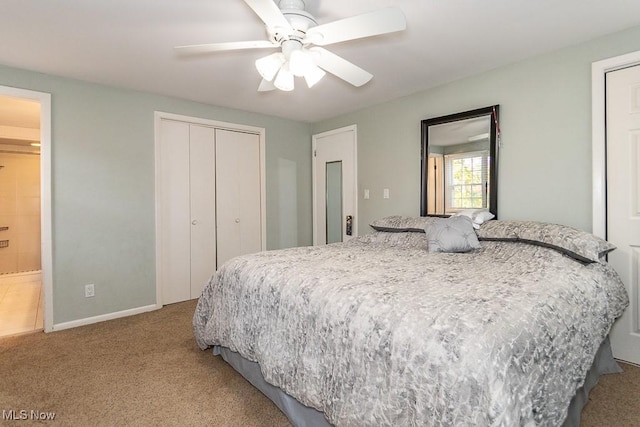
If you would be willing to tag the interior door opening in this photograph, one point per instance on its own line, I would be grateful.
(24, 211)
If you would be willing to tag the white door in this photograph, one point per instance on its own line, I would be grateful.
(186, 210)
(202, 199)
(623, 201)
(335, 187)
(174, 222)
(238, 173)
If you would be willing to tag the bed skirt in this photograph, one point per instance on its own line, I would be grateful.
(304, 416)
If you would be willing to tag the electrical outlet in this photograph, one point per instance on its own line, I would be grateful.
(89, 290)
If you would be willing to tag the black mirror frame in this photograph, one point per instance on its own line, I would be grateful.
(494, 112)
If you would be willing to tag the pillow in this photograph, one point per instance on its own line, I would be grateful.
(578, 244)
(453, 234)
(399, 224)
(478, 216)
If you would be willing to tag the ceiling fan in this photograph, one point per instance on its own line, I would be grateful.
(298, 37)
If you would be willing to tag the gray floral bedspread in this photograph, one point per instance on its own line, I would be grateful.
(379, 332)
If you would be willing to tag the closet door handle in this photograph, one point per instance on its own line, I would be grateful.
(237, 220)
(194, 222)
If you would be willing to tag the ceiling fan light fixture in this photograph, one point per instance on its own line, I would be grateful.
(300, 62)
(284, 79)
(269, 66)
(314, 75)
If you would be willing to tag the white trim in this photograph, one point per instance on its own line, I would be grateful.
(208, 122)
(598, 135)
(104, 317)
(158, 116)
(354, 129)
(46, 251)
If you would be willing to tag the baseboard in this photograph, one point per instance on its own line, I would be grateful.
(104, 317)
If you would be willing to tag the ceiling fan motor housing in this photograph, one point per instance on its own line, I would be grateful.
(299, 19)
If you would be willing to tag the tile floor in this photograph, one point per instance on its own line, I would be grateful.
(20, 304)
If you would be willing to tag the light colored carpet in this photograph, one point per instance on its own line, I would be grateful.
(146, 370)
(615, 400)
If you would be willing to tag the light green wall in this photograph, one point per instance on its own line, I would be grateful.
(103, 188)
(545, 160)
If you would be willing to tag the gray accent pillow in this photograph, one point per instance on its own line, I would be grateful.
(453, 234)
(401, 224)
(578, 244)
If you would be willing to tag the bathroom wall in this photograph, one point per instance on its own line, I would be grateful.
(19, 212)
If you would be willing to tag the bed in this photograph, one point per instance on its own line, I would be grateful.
(421, 323)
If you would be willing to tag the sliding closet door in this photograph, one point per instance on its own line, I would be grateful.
(238, 188)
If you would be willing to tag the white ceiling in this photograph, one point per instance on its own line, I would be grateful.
(459, 132)
(129, 43)
(19, 121)
(21, 113)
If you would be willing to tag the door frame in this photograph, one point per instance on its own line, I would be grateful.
(158, 117)
(46, 241)
(599, 70)
(350, 128)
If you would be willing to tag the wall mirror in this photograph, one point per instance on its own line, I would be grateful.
(460, 162)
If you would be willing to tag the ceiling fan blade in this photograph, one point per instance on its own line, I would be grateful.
(382, 21)
(218, 47)
(269, 12)
(266, 86)
(340, 67)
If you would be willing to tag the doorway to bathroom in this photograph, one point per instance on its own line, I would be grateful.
(23, 228)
